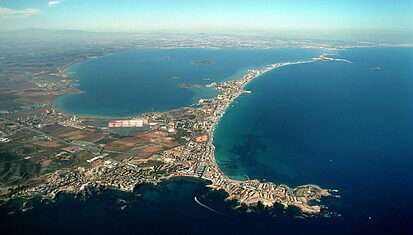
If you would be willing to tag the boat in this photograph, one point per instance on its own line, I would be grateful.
(377, 68)
(205, 206)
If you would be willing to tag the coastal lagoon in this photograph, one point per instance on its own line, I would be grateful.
(335, 124)
(146, 80)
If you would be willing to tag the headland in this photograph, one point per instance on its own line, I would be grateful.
(176, 143)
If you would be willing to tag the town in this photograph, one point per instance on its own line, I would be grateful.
(71, 154)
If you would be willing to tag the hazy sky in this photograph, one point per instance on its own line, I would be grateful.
(208, 15)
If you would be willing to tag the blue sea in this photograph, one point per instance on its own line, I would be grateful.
(147, 80)
(339, 125)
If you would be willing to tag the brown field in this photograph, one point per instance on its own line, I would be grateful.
(151, 149)
(144, 142)
(46, 144)
(71, 133)
(86, 135)
(169, 144)
(69, 148)
(36, 97)
(125, 143)
(57, 129)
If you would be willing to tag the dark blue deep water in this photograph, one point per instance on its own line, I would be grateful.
(334, 124)
(339, 125)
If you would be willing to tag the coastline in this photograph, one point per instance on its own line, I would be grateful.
(270, 135)
(63, 73)
(216, 122)
(303, 205)
(188, 159)
(261, 198)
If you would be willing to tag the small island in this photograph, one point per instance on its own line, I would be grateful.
(176, 143)
(203, 62)
(188, 86)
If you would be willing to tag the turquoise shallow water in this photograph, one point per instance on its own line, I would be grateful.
(140, 81)
(338, 125)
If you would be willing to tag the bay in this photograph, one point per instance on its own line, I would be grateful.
(339, 125)
(146, 80)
